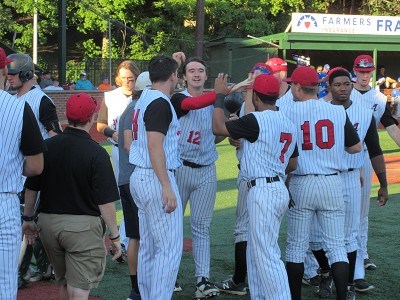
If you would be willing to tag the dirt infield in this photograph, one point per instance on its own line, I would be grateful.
(392, 170)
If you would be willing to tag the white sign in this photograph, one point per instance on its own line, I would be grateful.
(345, 24)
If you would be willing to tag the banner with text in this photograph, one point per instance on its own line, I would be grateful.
(345, 24)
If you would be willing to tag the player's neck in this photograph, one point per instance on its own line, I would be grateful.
(26, 87)
(360, 87)
(195, 91)
(163, 87)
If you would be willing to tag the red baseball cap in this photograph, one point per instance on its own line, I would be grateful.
(267, 85)
(364, 63)
(331, 71)
(304, 75)
(80, 107)
(277, 64)
(4, 59)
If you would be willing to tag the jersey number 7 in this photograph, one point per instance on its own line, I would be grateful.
(286, 138)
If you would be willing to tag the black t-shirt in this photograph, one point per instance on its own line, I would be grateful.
(350, 134)
(247, 127)
(158, 116)
(77, 175)
(372, 140)
(48, 114)
(31, 139)
(176, 101)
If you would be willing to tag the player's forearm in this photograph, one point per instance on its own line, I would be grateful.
(248, 106)
(378, 164)
(30, 199)
(218, 123)
(394, 133)
(108, 214)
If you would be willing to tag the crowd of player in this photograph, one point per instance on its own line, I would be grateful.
(305, 158)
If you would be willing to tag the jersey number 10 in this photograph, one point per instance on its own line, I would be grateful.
(319, 136)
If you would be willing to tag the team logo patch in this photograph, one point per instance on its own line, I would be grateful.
(307, 21)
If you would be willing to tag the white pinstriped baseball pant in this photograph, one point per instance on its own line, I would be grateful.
(266, 204)
(10, 243)
(161, 235)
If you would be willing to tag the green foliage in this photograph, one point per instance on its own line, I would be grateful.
(142, 28)
(74, 68)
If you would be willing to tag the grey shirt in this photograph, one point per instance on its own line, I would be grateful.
(125, 123)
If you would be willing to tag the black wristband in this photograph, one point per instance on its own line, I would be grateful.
(382, 179)
(27, 219)
(108, 132)
(219, 101)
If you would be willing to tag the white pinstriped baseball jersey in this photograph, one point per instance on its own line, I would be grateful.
(139, 153)
(196, 140)
(320, 132)
(269, 155)
(11, 115)
(34, 97)
(239, 151)
(116, 103)
(373, 99)
(360, 117)
(285, 100)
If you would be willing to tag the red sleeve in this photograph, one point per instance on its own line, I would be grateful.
(191, 103)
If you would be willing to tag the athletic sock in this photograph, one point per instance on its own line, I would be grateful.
(295, 272)
(134, 282)
(340, 274)
(352, 256)
(240, 263)
(322, 260)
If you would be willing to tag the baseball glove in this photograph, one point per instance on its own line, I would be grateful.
(233, 102)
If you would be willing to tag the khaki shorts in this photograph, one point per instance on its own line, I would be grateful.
(75, 247)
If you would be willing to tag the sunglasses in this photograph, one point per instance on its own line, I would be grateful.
(365, 64)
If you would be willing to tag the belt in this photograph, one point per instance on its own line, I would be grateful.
(333, 174)
(350, 170)
(116, 145)
(253, 182)
(191, 165)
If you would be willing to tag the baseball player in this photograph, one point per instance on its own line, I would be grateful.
(268, 145)
(21, 78)
(197, 179)
(21, 153)
(340, 86)
(155, 154)
(114, 104)
(130, 210)
(372, 99)
(236, 285)
(323, 132)
(20, 73)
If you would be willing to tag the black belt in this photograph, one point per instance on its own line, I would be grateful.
(191, 165)
(116, 145)
(333, 174)
(253, 182)
(350, 170)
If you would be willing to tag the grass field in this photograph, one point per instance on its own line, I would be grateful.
(383, 240)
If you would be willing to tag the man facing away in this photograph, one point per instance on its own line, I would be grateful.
(78, 191)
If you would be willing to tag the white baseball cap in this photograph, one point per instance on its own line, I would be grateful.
(143, 81)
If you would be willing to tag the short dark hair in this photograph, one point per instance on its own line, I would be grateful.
(193, 59)
(266, 98)
(161, 67)
(338, 73)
